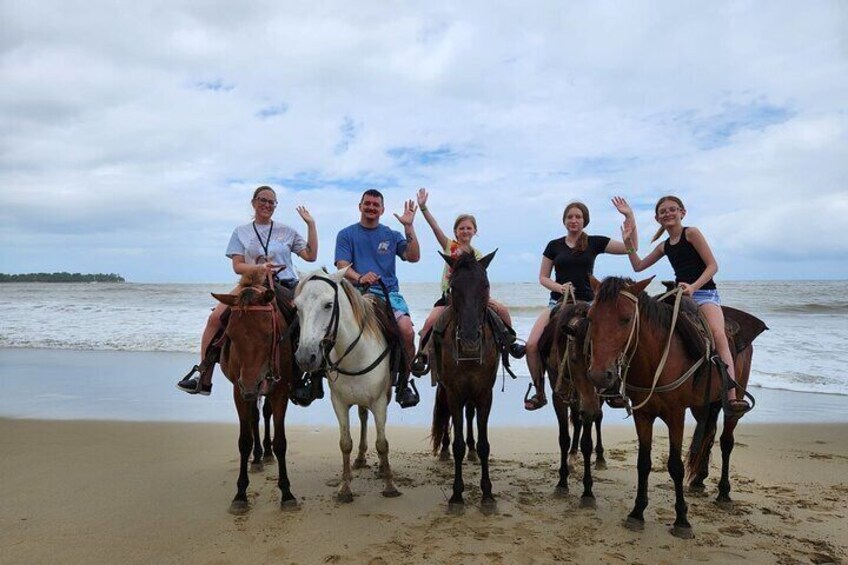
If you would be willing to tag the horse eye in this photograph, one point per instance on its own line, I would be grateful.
(328, 306)
(625, 321)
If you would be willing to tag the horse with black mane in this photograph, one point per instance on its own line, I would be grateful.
(466, 359)
(666, 366)
(259, 363)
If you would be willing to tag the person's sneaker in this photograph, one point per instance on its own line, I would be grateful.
(517, 350)
(407, 396)
(420, 365)
(190, 384)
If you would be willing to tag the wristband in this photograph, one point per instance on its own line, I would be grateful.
(423, 208)
(630, 250)
(359, 280)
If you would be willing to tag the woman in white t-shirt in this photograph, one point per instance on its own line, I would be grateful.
(263, 246)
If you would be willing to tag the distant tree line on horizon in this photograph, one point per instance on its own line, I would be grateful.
(63, 277)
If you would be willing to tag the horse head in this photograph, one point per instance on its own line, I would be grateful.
(318, 308)
(469, 290)
(253, 329)
(571, 337)
(614, 321)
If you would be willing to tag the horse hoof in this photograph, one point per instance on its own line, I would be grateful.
(456, 508)
(561, 492)
(489, 507)
(588, 502)
(289, 505)
(600, 465)
(682, 532)
(257, 467)
(392, 493)
(269, 459)
(444, 456)
(697, 489)
(360, 463)
(238, 507)
(726, 505)
(345, 497)
(634, 524)
(472, 456)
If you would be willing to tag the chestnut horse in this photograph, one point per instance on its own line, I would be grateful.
(664, 372)
(562, 346)
(467, 362)
(258, 364)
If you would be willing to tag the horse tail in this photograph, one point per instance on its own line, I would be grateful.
(441, 419)
(702, 441)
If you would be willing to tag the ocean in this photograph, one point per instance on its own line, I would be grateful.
(805, 349)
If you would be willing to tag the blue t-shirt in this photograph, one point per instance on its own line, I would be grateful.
(372, 249)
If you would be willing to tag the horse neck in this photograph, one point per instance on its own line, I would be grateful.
(651, 345)
(349, 329)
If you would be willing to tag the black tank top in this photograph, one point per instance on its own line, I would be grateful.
(688, 265)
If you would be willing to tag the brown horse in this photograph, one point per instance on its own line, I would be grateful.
(562, 348)
(258, 364)
(467, 361)
(665, 372)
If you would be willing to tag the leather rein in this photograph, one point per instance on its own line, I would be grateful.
(328, 342)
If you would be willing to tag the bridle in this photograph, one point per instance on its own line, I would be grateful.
(328, 342)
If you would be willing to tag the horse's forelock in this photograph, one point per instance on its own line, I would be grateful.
(610, 288)
(252, 278)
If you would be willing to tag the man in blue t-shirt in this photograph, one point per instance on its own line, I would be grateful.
(369, 249)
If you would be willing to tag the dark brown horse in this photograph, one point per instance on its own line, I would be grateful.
(562, 346)
(258, 364)
(467, 359)
(665, 372)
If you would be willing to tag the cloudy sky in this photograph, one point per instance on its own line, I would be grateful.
(133, 133)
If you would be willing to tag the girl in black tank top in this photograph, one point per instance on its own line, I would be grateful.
(694, 266)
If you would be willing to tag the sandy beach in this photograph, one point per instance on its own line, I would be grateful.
(106, 492)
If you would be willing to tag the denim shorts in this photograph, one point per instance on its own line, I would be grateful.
(396, 301)
(706, 297)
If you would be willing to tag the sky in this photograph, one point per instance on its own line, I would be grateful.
(134, 133)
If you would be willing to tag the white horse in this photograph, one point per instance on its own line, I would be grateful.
(340, 333)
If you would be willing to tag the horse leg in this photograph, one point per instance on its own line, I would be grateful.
(577, 424)
(587, 499)
(359, 462)
(644, 430)
(267, 445)
(681, 528)
(245, 443)
(484, 408)
(456, 504)
(278, 407)
(344, 493)
(699, 451)
(561, 409)
(726, 442)
(385, 470)
(600, 461)
(256, 465)
(469, 441)
(444, 454)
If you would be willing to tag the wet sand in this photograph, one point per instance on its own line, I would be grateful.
(132, 492)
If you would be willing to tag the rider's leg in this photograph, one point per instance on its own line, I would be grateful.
(516, 349)
(715, 319)
(202, 382)
(405, 395)
(534, 361)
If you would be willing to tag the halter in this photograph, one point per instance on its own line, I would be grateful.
(624, 360)
(328, 342)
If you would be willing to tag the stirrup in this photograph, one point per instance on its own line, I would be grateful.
(420, 365)
(534, 402)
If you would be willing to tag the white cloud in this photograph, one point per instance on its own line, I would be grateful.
(136, 132)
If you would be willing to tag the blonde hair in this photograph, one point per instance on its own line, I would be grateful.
(583, 241)
(674, 199)
(461, 218)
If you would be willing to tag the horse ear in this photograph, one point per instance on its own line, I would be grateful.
(228, 299)
(448, 259)
(487, 259)
(339, 275)
(640, 286)
(595, 283)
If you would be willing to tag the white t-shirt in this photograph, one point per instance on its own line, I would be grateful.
(283, 242)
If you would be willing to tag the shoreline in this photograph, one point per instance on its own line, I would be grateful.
(64, 384)
(159, 492)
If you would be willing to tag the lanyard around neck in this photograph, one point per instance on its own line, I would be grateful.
(267, 239)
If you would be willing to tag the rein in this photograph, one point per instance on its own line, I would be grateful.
(634, 332)
(328, 343)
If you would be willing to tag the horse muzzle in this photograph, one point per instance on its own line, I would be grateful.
(309, 358)
(603, 380)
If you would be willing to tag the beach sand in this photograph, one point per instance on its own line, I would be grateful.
(129, 492)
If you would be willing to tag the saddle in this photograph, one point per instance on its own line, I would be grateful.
(388, 324)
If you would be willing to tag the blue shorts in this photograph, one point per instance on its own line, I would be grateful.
(396, 300)
(706, 297)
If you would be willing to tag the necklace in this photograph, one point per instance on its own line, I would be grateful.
(267, 240)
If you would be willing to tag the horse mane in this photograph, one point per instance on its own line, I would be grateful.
(656, 313)
(362, 307)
